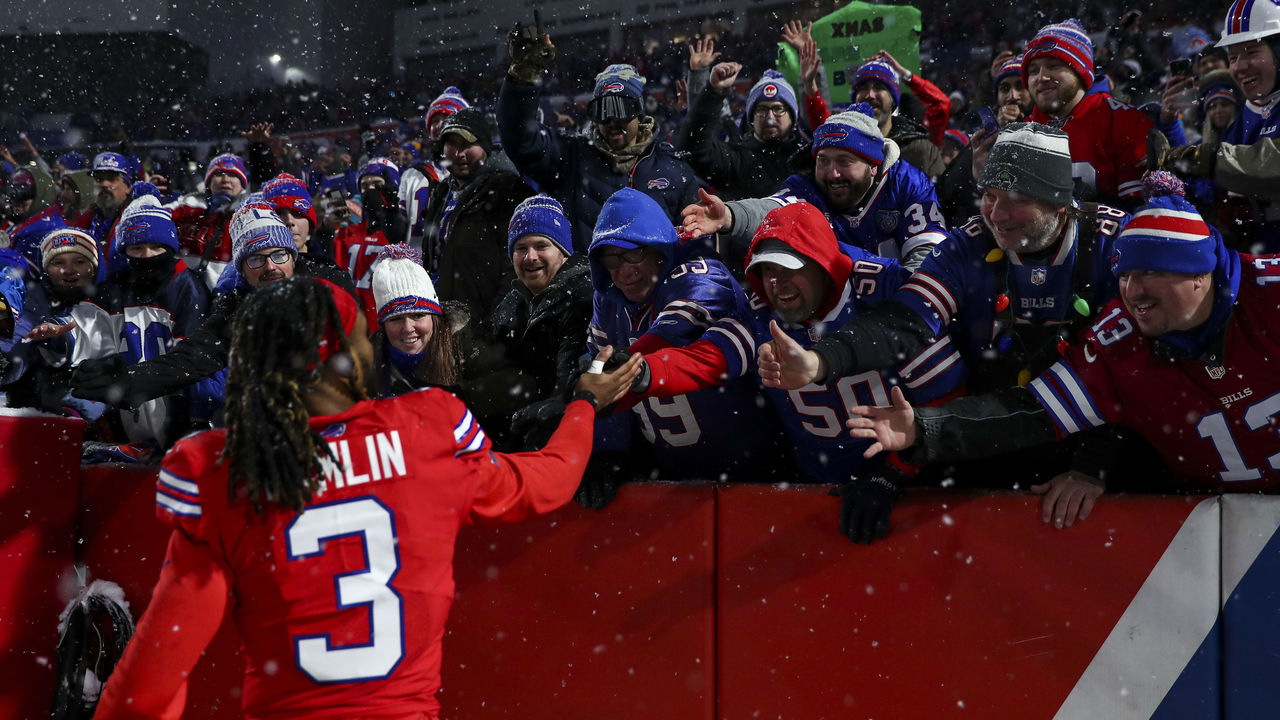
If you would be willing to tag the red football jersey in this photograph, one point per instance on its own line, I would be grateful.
(341, 607)
(1215, 425)
(355, 249)
(1108, 141)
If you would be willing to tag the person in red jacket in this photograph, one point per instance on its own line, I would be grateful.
(325, 522)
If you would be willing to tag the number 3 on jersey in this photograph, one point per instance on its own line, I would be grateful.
(370, 588)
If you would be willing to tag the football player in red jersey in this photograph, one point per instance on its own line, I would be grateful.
(325, 522)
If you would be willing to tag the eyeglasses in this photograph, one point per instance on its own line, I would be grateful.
(766, 111)
(613, 261)
(279, 257)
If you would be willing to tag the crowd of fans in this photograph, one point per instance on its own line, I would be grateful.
(796, 269)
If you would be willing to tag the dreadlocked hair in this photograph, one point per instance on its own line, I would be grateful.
(275, 356)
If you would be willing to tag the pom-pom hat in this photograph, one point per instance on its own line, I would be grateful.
(401, 286)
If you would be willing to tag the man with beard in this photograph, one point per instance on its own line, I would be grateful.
(1108, 137)
(112, 174)
(356, 246)
(1010, 287)
(876, 84)
(263, 253)
(872, 199)
(583, 171)
(465, 221)
(1013, 102)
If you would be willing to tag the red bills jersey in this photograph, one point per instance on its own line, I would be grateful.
(1214, 425)
(1108, 141)
(355, 249)
(341, 607)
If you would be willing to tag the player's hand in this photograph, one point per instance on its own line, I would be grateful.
(888, 428)
(702, 53)
(865, 506)
(723, 75)
(608, 386)
(708, 216)
(1068, 498)
(783, 364)
(47, 330)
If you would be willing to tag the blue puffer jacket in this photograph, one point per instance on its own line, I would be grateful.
(570, 169)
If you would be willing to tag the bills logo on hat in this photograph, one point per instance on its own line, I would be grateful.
(834, 135)
(62, 241)
(659, 184)
(770, 90)
(301, 204)
(611, 88)
(254, 241)
(1038, 276)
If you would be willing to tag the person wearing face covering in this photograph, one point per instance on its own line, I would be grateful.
(140, 313)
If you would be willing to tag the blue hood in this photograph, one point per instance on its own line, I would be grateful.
(631, 219)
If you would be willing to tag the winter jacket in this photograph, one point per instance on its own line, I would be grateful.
(917, 149)
(573, 171)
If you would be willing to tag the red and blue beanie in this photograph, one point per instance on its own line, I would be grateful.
(1009, 68)
(401, 285)
(285, 191)
(255, 227)
(1068, 42)
(383, 168)
(956, 136)
(620, 79)
(114, 162)
(449, 102)
(1166, 234)
(854, 130)
(1218, 85)
(772, 86)
(878, 70)
(228, 163)
(540, 215)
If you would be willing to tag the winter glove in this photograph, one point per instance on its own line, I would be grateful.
(530, 56)
(220, 202)
(105, 380)
(865, 506)
(143, 187)
(619, 358)
(534, 423)
(1186, 160)
(605, 472)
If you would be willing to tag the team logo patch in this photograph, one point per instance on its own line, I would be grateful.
(611, 88)
(659, 184)
(770, 90)
(334, 430)
(1216, 373)
(1005, 177)
(887, 220)
(1038, 276)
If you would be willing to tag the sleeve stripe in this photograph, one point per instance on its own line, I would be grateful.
(180, 484)
(934, 293)
(933, 349)
(477, 443)
(924, 238)
(677, 305)
(680, 313)
(1066, 405)
(743, 359)
(464, 426)
(937, 370)
(1079, 395)
(177, 507)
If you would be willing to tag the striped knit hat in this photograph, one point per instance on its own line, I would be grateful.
(1067, 41)
(957, 136)
(1031, 159)
(878, 70)
(228, 163)
(68, 240)
(1166, 234)
(401, 285)
(285, 191)
(772, 86)
(854, 130)
(449, 102)
(1010, 68)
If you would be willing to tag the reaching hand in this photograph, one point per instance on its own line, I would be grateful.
(980, 143)
(723, 75)
(609, 387)
(795, 33)
(531, 52)
(258, 132)
(865, 506)
(1001, 59)
(884, 56)
(708, 216)
(809, 65)
(1008, 114)
(682, 96)
(702, 53)
(1174, 98)
(889, 428)
(783, 364)
(1068, 498)
(47, 330)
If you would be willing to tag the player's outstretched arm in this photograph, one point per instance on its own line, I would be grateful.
(888, 428)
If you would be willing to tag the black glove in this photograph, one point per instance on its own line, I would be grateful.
(105, 380)
(605, 472)
(535, 422)
(865, 506)
(530, 57)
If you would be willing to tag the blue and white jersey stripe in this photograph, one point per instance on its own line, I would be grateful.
(1066, 399)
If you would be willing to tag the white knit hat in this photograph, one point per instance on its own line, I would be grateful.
(401, 285)
(68, 240)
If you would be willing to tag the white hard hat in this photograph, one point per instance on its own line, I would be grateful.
(1249, 20)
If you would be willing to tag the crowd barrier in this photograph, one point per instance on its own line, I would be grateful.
(704, 601)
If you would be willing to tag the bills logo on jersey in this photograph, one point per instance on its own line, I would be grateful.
(770, 90)
(659, 184)
(611, 88)
(333, 431)
(887, 220)
(1038, 276)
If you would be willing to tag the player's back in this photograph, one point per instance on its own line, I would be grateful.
(342, 607)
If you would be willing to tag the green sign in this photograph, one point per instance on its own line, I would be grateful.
(851, 35)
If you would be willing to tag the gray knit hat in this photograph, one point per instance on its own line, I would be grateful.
(1031, 159)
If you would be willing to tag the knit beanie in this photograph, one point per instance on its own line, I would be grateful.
(115, 162)
(68, 240)
(401, 285)
(1031, 159)
(383, 168)
(73, 161)
(286, 191)
(1067, 41)
(540, 215)
(956, 136)
(878, 70)
(1218, 85)
(1166, 234)
(471, 125)
(854, 130)
(449, 102)
(1009, 68)
(255, 227)
(228, 163)
(145, 221)
(772, 86)
(620, 79)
